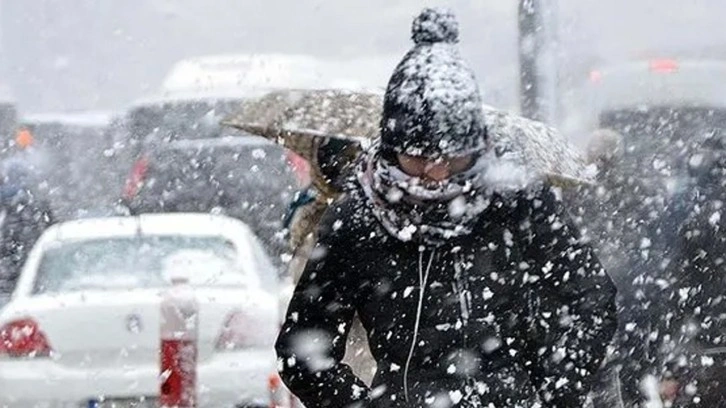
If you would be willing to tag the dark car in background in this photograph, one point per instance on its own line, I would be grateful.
(177, 117)
(155, 121)
(184, 161)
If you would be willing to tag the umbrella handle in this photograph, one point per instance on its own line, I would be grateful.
(560, 180)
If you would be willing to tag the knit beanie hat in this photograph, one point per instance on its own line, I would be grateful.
(432, 105)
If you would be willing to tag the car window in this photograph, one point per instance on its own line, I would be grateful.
(140, 262)
(217, 177)
(178, 120)
(250, 183)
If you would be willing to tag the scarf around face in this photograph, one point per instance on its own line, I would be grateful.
(412, 210)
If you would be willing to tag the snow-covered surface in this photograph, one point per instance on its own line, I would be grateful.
(325, 112)
(105, 355)
(540, 148)
(302, 120)
(224, 141)
(255, 74)
(191, 95)
(81, 119)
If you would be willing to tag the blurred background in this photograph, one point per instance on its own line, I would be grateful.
(87, 54)
(111, 117)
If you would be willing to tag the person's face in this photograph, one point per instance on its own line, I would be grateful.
(434, 170)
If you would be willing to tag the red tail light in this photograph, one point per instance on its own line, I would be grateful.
(664, 66)
(136, 178)
(595, 76)
(280, 397)
(242, 331)
(300, 166)
(23, 338)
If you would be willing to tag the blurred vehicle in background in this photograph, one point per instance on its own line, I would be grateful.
(197, 92)
(83, 323)
(73, 162)
(663, 110)
(242, 176)
(655, 116)
(643, 99)
(181, 159)
(158, 120)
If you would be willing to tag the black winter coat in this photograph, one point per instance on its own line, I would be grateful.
(698, 310)
(517, 312)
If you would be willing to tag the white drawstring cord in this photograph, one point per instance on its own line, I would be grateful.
(423, 278)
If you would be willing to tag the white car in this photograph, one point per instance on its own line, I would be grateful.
(82, 327)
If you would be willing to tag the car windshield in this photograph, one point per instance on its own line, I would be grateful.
(175, 120)
(139, 262)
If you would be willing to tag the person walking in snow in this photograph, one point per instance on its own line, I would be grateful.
(467, 275)
(696, 320)
(620, 217)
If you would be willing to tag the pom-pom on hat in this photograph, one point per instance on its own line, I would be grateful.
(432, 105)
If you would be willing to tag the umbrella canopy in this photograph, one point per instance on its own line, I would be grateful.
(304, 121)
(541, 148)
(307, 122)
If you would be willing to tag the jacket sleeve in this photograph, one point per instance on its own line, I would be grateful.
(312, 341)
(695, 279)
(572, 303)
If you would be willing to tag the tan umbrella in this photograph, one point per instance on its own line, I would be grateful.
(302, 120)
(541, 148)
